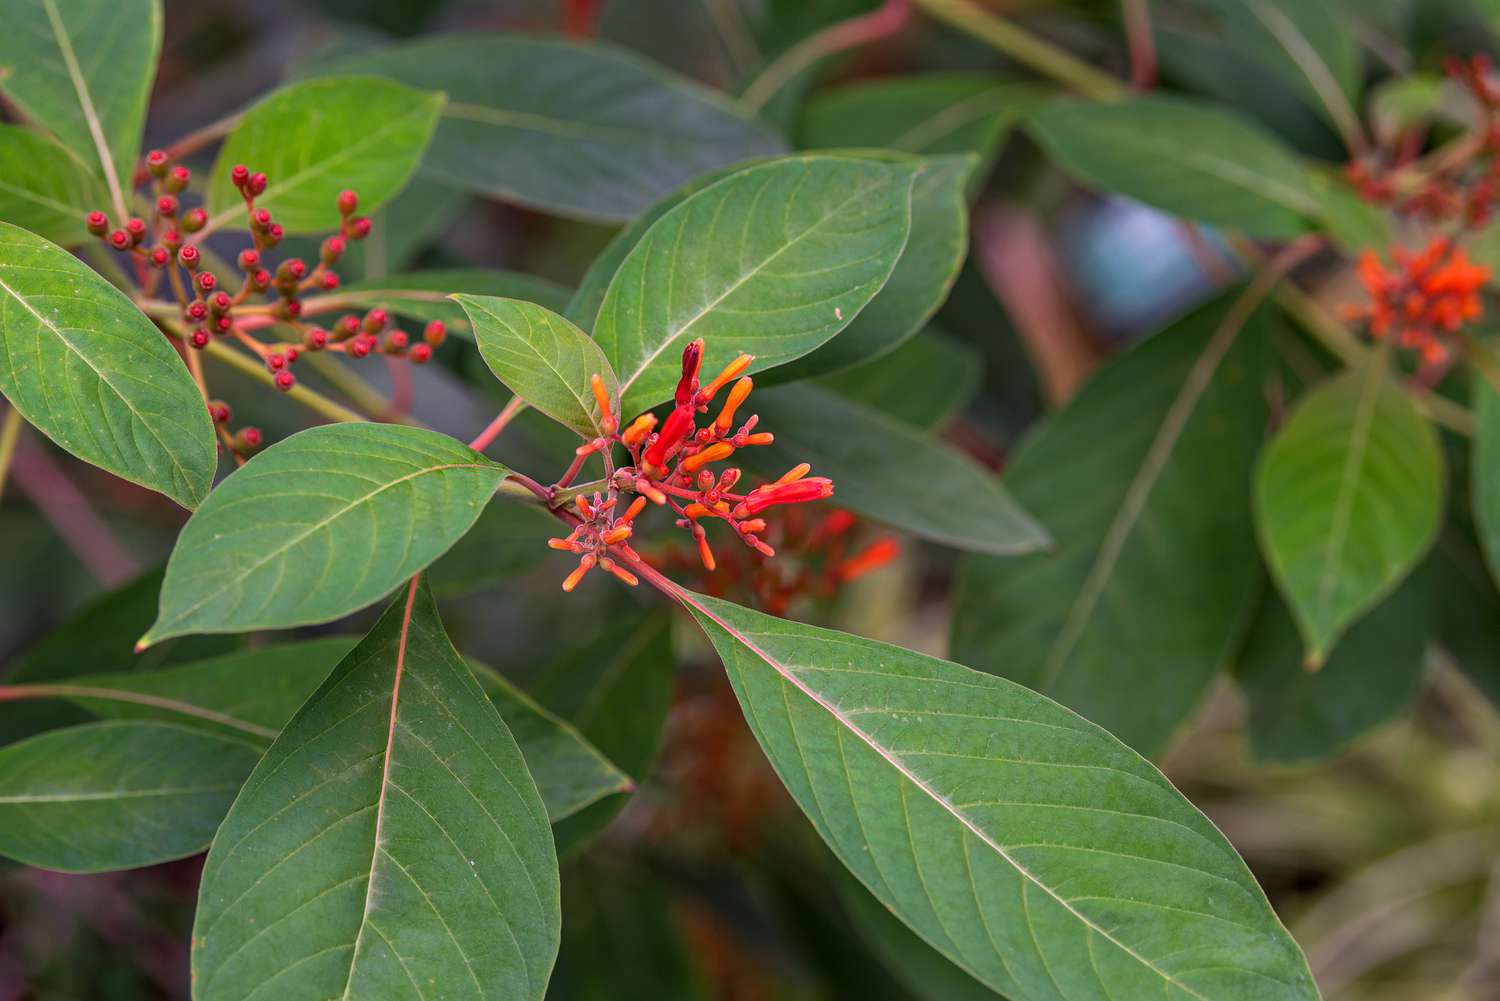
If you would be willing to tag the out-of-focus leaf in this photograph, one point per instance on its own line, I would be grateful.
(44, 187)
(357, 509)
(391, 837)
(506, 541)
(1155, 572)
(317, 138)
(580, 130)
(117, 795)
(1015, 837)
(886, 470)
(85, 367)
(776, 284)
(1484, 470)
(424, 295)
(1348, 498)
(1190, 158)
(1353, 223)
(924, 382)
(1468, 606)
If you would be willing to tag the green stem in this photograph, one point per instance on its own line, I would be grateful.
(886, 20)
(10, 433)
(311, 399)
(1026, 48)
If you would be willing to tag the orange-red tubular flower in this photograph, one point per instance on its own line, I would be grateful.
(796, 492)
(692, 361)
(677, 427)
(721, 380)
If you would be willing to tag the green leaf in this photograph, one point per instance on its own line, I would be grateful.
(506, 541)
(570, 773)
(82, 69)
(1154, 573)
(87, 368)
(116, 795)
(777, 284)
(1468, 606)
(1348, 497)
(426, 295)
(1373, 674)
(543, 359)
(1193, 159)
(317, 138)
(390, 844)
(1023, 842)
(885, 470)
(319, 525)
(1484, 475)
(45, 188)
(588, 131)
(925, 382)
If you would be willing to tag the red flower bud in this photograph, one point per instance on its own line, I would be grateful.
(375, 321)
(357, 229)
(194, 220)
(205, 281)
(421, 354)
(97, 222)
(333, 248)
(219, 411)
(261, 280)
(120, 240)
(348, 202)
(256, 184)
(285, 380)
(166, 205)
(239, 175)
(223, 324)
(248, 439)
(188, 257)
(156, 163)
(275, 361)
(435, 333)
(316, 339)
(249, 261)
(692, 361)
(177, 179)
(137, 230)
(396, 342)
(329, 281)
(274, 233)
(260, 219)
(199, 338)
(160, 258)
(220, 302)
(197, 312)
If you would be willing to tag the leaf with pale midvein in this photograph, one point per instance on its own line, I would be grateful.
(1023, 842)
(773, 260)
(1154, 572)
(319, 525)
(314, 139)
(390, 845)
(543, 359)
(1348, 497)
(83, 69)
(116, 795)
(44, 187)
(1191, 158)
(86, 368)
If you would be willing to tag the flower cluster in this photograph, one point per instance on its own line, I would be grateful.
(1425, 296)
(672, 465)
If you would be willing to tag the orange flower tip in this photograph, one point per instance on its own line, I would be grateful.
(622, 573)
(706, 554)
(616, 535)
(794, 474)
(584, 566)
(695, 510)
(760, 438)
(652, 494)
(714, 453)
(583, 507)
(636, 507)
(638, 429)
(564, 544)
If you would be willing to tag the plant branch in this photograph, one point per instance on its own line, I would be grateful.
(10, 433)
(66, 508)
(883, 22)
(485, 438)
(1137, 16)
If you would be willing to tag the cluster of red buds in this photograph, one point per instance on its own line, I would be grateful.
(170, 245)
(672, 466)
(1425, 296)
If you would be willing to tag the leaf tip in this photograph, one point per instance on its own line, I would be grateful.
(1313, 660)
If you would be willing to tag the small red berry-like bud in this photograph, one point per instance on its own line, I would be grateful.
(199, 338)
(315, 339)
(285, 380)
(357, 229)
(347, 326)
(160, 258)
(197, 312)
(375, 321)
(435, 333)
(97, 222)
(256, 184)
(275, 361)
(223, 324)
(220, 302)
(239, 175)
(333, 248)
(166, 205)
(287, 309)
(329, 281)
(260, 219)
(291, 355)
(137, 230)
(295, 268)
(421, 354)
(348, 202)
(261, 280)
(120, 240)
(219, 411)
(189, 257)
(194, 220)
(274, 233)
(248, 439)
(249, 261)
(396, 342)
(205, 281)
(177, 179)
(359, 347)
(156, 162)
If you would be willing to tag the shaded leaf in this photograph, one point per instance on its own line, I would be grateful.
(506, 541)
(116, 795)
(925, 382)
(1151, 518)
(1468, 606)
(316, 138)
(390, 844)
(1020, 840)
(579, 130)
(1348, 497)
(425, 295)
(1484, 470)
(1190, 158)
(87, 369)
(342, 515)
(931, 489)
(45, 188)
(776, 284)
(542, 358)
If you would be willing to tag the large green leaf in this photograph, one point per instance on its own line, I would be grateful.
(888, 471)
(925, 382)
(390, 844)
(1193, 159)
(1023, 842)
(543, 359)
(425, 295)
(1143, 480)
(581, 130)
(1374, 673)
(116, 795)
(44, 187)
(83, 69)
(317, 138)
(724, 266)
(1348, 497)
(319, 525)
(87, 368)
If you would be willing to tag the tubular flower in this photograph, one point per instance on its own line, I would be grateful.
(1426, 295)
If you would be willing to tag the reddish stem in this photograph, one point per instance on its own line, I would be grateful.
(484, 439)
(1137, 14)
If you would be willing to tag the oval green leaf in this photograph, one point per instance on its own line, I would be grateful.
(1348, 497)
(87, 368)
(391, 844)
(319, 525)
(314, 139)
(773, 260)
(1023, 842)
(44, 187)
(119, 795)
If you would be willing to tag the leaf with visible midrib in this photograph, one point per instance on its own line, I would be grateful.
(1023, 842)
(44, 188)
(83, 365)
(543, 359)
(1348, 497)
(773, 260)
(117, 795)
(391, 843)
(320, 525)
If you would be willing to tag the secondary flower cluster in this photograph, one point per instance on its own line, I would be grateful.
(673, 465)
(1425, 296)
